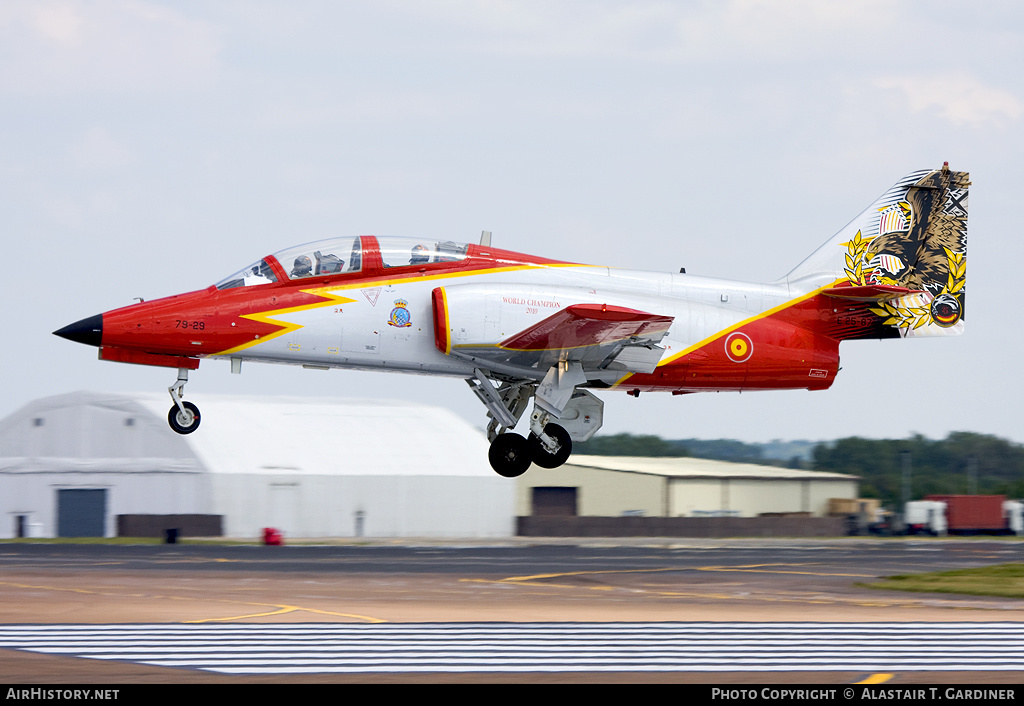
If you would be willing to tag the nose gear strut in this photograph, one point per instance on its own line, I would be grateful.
(184, 416)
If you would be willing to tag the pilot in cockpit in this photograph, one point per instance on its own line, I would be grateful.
(253, 276)
(420, 255)
(303, 267)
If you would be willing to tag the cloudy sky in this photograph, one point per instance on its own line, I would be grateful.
(149, 148)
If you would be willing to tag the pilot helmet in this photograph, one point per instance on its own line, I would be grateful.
(303, 266)
(420, 255)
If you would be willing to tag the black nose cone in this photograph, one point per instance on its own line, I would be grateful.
(88, 331)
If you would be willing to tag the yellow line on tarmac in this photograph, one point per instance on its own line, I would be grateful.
(284, 609)
(758, 569)
(58, 588)
(198, 560)
(526, 584)
(281, 609)
(587, 573)
(876, 679)
(750, 568)
(524, 581)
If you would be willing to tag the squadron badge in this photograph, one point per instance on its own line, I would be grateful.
(400, 316)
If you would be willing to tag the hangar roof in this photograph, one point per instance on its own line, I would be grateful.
(83, 431)
(686, 467)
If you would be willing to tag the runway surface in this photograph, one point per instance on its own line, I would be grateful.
(729, 611)
(538, 647)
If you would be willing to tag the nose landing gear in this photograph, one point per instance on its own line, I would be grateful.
(184, 416)
(184, 421)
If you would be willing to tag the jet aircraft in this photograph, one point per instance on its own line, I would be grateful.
(518, 327)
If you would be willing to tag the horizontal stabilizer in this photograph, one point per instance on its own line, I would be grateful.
(870, 292)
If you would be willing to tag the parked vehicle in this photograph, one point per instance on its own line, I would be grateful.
(966, 514)
(925, 517)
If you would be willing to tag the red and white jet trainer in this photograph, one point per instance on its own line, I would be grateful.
(517, 327)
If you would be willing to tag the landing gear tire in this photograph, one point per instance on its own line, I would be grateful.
(542, 457)
(184, 422)
(510, 455)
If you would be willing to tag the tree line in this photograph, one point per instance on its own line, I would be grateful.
(962, 463)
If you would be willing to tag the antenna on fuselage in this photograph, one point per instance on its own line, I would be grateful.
(485, 238)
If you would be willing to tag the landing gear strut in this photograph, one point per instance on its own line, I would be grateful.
(549, 444)
(183, 416)
(551, 459)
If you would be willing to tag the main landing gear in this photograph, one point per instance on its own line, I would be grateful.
(511, 454)
(541, 453)
(184, 416)
(549, 443)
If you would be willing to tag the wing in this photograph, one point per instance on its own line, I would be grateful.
(598, 336)
(601, 338)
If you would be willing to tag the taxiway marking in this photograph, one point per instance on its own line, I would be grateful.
(761, 569)
(279, 609)
(877, 679)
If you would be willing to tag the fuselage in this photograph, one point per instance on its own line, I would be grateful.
(370, 306)
(518, 327)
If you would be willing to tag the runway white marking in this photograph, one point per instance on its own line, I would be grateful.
(537, 647)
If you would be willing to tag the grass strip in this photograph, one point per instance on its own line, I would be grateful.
(1006, 580)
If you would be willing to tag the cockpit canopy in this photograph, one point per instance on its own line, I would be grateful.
(324, 257)
(402, 252)
(257, 273)
(343, 256)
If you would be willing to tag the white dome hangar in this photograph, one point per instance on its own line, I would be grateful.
(71, 464)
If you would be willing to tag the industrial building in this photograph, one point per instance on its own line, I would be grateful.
(616, 486)
(76, 464)
(611, 496)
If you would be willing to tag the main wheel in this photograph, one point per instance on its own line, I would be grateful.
(510, 455)
(551, 460)
(184, 422)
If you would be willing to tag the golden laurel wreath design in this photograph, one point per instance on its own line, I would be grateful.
(905, 314)
(855, 250)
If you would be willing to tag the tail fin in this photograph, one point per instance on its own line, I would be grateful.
(912, 244)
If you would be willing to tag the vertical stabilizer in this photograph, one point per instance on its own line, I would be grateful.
(905, 256)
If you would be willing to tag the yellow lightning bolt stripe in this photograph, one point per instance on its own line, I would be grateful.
(268, 317)
(726, 331)
(367, 284)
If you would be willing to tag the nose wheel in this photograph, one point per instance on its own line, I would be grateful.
(184, 416)
(184, 421)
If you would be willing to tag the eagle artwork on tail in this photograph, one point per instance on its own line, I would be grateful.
(921, 245)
